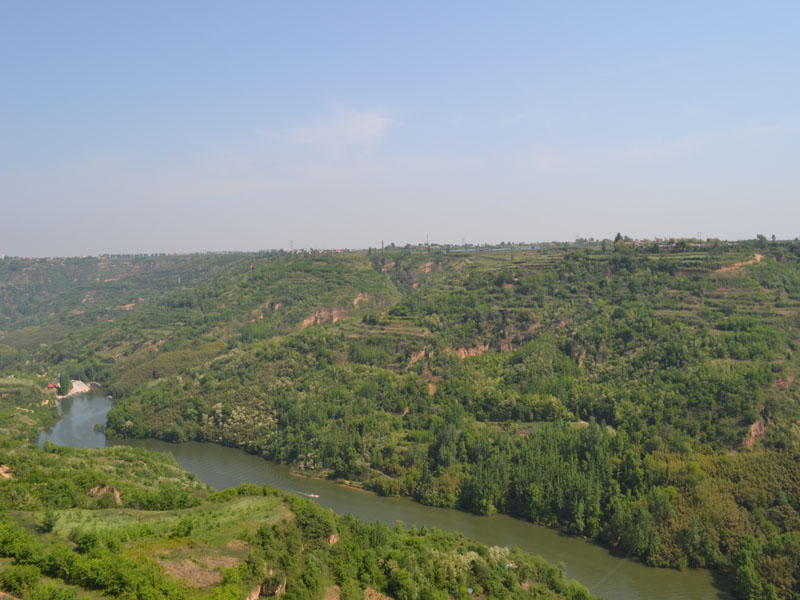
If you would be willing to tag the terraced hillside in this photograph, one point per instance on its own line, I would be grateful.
(642, 395)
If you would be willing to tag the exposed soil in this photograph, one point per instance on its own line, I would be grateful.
(427, 267)
(212, 562)
(373, 594)
(465, 352)
(784, 382)
(27, 420)
(507, 345)
(323, 315)
(756, 259)
(332, 593)
(255, 594)
(757, 431)
(416, 356)
(6, 472)
(99, 491)
(268, 589)
(360, 298)
(191, 573)
(78, 387)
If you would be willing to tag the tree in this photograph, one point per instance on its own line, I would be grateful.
(402, 586)
(19, 579)
(65, 383)
(748, 583)
(49, 521)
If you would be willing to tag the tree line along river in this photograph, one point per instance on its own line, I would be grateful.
(604, 574)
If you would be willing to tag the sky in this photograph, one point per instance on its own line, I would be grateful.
(150, 126)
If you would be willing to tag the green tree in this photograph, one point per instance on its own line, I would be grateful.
(64, 383)
(402, 586)
(49, 521)
(19, 579)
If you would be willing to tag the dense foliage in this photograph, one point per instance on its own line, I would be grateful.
(641, 395)
(24, 410)
(129, 523)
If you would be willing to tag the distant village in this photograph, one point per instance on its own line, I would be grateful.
(660, 243)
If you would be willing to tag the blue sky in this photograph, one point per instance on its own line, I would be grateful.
(188, 126)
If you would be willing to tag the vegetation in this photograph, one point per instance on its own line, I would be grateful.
(24, 409)
(130, 523)
(64, 384)
(255, 538)
(643, 395)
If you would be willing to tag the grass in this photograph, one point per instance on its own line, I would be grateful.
(220, 522)
(30, 338)
(191, 544)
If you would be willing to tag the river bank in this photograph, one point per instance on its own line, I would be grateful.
(221, 467)
(78, 387)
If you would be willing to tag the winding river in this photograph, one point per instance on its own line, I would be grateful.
(606, 575)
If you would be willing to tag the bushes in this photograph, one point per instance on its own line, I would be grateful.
(19, 579)
(405, 564)
(96, 568)
(24, 580)
(58, 478)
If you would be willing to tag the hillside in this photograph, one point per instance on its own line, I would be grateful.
(130, 523)
(249, 541)
(641, 395)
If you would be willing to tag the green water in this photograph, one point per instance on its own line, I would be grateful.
(606, 575)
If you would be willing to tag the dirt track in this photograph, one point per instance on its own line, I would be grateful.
(756, 259)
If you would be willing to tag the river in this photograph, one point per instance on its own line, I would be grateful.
(221, 467)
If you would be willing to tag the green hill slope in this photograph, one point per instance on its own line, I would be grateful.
(247, 539)
(644, 396)
(129, 523)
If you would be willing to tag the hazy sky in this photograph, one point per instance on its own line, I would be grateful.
(151, 126)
